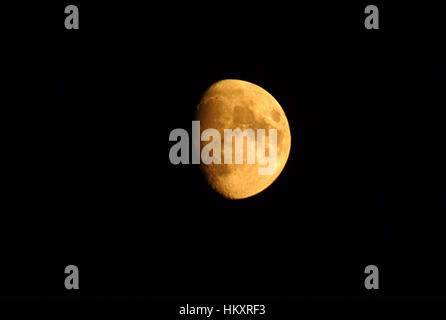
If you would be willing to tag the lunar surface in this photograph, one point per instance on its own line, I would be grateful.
(231, 104)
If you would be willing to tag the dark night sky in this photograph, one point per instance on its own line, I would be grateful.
(90, 182)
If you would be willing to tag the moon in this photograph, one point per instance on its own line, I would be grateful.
(231, 104)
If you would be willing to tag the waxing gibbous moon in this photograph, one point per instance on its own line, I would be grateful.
(231, 104)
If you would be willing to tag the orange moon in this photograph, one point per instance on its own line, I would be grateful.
(231, 104)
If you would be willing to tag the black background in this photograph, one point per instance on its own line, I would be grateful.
(89, 182)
